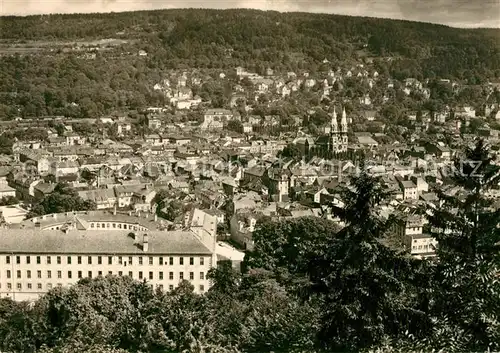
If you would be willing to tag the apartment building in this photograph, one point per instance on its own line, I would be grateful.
(409, 229)
(32, 261)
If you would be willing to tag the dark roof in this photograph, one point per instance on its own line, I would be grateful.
(97, 242)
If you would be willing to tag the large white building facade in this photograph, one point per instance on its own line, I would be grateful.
(33, 261)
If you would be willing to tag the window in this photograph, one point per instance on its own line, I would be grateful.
(91, 225)
(18, 260)
(59, 284)
(110, 260)
(80, 274)
(140, 260)
(28, 274)
(150, 275)
(49, 261)
(99, 273)
(103, 225)
(181, 276)
(89, 260)
(130, 260)
(29, 286)
(171, 287)
(160, 260)
(99, 260)
(69, 274)
(191, 275)
(191, 261)
(202, 275)
(161, 287)
(90, 274)
(140, 274)
(7, 260)
(110, 273)
(39, 274)
(150, 260)
(38, 260)
(68, 259)
(28, 260)
(9, 286)
(58, 259)
(171, 260)
(98, 225)
(170, 275)
(49, 285)
(49, 274)
(59, 274)
(79, 260)
(181, 261)
(202, 261)
(19, 286)
(130, 274)
(202, 288)
(114, 225)
(120, 260)
(39, 286)
(18, 274)
(120, 273)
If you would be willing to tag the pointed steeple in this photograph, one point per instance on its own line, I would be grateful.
(343, 122)
(333, 124)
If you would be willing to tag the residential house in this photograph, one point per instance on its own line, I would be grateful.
(215, 119)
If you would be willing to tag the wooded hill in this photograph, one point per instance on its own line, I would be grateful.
(47, 82)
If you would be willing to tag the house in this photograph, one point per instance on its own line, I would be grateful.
(241, 226)
(369, 115)
(61, 168)
(215, 119)
(7, 191)
(154, 123)
(153, 139)
(409, 229)
(177, 140)
(409, 190)
(104, 198)
(43, 189)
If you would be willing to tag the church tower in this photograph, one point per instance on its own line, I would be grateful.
(343, 126)
(334, 132)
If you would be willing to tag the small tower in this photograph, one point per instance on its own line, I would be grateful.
(333, 124)
(343, 122)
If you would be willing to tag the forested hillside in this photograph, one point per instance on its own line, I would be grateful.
(214, 39)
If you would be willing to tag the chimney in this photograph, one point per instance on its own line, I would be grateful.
(130, 213)
(156, 218)
(114, 211)
(145, 243)
(138, 213)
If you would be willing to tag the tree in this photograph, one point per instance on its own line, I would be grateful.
(363, 282)
(8, 200)
(467, 294)
(62, 199)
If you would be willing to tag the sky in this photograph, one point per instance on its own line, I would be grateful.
(456, 13)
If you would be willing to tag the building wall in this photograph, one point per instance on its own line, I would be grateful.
(31, 278)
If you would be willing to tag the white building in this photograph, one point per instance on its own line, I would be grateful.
(409, 230)
(34, 261)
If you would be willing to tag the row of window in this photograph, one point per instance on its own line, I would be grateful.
(117, 226)
(420, 247)
(39, 286)
(99, 273)
(109, 258)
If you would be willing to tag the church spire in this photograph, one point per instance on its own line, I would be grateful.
(333, 123)
(343, 122)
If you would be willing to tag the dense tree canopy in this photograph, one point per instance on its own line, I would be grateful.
(68, 83)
